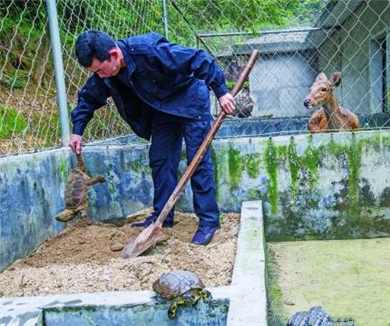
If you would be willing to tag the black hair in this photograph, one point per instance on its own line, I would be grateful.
(93, 44)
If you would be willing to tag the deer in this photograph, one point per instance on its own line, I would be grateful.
(331, 116)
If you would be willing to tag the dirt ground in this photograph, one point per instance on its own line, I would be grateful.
(87, 259)
(347, 278)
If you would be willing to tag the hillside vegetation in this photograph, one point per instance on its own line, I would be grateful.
(28, 110)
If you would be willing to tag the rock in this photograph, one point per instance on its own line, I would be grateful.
(117, 247)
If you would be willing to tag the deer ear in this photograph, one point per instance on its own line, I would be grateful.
(321, 77)
(335, 79)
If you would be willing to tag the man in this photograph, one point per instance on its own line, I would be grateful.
(161, 90)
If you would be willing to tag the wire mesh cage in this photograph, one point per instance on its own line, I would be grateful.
(297, 40)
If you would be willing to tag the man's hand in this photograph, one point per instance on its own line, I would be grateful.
(227, 103)
(75, 143)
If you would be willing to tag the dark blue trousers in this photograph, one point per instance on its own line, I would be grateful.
(168, 132)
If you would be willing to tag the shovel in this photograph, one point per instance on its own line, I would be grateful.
(149, 236)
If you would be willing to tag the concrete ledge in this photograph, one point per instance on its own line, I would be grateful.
(245, 298)
(247, 293)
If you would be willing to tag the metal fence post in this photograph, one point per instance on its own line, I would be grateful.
(58, 70)
(165, 17)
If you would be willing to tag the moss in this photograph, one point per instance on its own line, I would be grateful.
(332, 147)
(271, 162)
(354, 205)
(236, 166)
(11, 122)
(224, 307)
(63, 167)
(354, 164)
(311, 161)
(274, 293)
(293, 161)
(135, 166)
(253, 194)
(252, 165)
(111, 183)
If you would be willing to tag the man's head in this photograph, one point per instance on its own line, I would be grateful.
(98, 52)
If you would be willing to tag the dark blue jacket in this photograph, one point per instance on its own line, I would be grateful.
(162, 76)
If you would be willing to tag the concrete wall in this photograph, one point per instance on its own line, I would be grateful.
(327, 186)
(312, 186)
(349, 50)
(32, 189)
(213, 313)
(279, 83)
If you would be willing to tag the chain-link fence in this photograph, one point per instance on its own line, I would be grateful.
(297, 40)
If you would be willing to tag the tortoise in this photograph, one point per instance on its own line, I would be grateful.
(182, 287)
(76, 193)
(244, 104)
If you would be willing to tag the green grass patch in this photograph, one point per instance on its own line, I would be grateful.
(347, 278)
(11, 122)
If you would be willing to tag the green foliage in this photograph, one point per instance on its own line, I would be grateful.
(16, 79)
(230, 84)
(24, 39)
(14, 82)
(240, 15)
(11, 122)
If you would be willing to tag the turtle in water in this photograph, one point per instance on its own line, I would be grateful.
(76, 193)
(182, 287)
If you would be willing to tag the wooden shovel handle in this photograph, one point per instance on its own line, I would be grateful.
(206, 142)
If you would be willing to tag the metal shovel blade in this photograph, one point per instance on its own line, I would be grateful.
(145, 240)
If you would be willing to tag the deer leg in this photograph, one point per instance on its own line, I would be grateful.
(92, 181)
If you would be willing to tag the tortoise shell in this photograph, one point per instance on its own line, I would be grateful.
(173, 284)
(76, 189)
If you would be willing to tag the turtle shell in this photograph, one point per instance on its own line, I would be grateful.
(175, 283)
(76, 189)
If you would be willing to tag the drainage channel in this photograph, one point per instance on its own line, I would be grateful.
(241, 303)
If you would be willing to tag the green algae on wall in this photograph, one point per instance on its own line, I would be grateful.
(252, 165)
(321, 195)
(236, 166)
(311, 161)
(63, 166)
(354, 164)
(294, 164)
(320, 213)
(271, 163)
(136, 166)
(253, 194)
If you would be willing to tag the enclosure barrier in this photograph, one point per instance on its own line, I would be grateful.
(297, 40)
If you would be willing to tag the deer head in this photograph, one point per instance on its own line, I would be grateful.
(321, 92)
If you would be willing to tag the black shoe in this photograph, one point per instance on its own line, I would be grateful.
(150, 220)
(204, 235)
